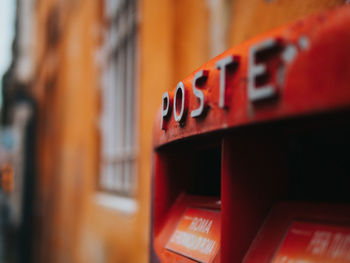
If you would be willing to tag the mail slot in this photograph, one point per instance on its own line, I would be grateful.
(251, 152)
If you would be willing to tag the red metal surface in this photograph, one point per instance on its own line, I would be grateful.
(315, 80)
(274, 230)
(314, 242)
(197, 235)
(310, 70)
(172, 220)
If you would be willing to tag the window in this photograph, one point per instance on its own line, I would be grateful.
(118, 153)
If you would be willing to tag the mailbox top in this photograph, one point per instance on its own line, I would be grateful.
(298, 69)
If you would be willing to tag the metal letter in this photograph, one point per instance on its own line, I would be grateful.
(165, 108)
(180, 88)
(255, 70)
(222, 65)
(198, 93)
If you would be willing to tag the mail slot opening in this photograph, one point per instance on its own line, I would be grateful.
(192, 168)
(291, 174)
(319, 165)
(207, 172)
(187, 221)
(317, 204)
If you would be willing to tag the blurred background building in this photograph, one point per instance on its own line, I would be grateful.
(79, 99)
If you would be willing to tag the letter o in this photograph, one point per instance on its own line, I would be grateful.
(180, 101)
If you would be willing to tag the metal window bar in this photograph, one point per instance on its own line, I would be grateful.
(118, 149)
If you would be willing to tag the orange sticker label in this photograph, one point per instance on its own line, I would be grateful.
(197, 236)
(314, 243)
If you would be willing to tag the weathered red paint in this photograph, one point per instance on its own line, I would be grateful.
(316, 80)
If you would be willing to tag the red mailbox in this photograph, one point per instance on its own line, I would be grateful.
(251, 152)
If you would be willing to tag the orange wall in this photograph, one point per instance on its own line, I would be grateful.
(66, 89)
(252, 17)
